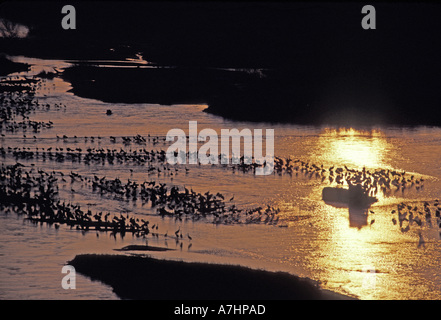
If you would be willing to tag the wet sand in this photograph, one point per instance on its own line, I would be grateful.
(136, 277)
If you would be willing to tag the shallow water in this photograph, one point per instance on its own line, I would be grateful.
(323, 242)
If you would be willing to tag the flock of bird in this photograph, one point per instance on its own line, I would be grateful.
(126, 140)
(15, 109)
(372, 181)
(155, 161)
(168, 201)
(177, 203)
(405, 215)
(35, 194)
(18, 102)
(19, 84)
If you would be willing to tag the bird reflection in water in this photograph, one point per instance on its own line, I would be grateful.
(358, 216)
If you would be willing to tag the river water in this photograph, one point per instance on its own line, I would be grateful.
(345, 251)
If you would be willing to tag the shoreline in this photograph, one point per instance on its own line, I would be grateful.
(268, 97)
(8, 67)
(145, 278)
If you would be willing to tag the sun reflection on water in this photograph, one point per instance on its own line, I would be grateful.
(354, 148)
(351, 258)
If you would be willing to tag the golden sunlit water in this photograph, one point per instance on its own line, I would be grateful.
(360, 253)
(354, 147)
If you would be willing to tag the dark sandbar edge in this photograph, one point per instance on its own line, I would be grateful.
(145, 278)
